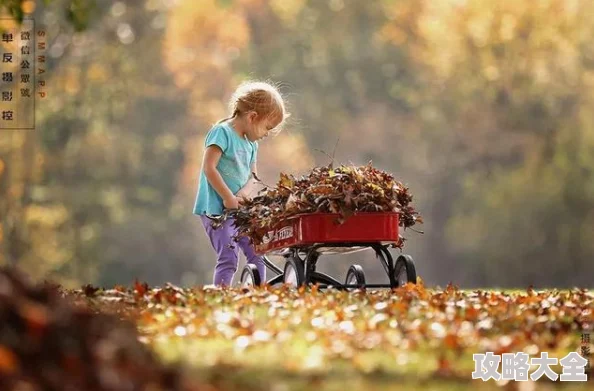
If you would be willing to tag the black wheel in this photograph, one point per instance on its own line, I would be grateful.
(404, 270)
(355, 276)
(294, 274)
(250, 276)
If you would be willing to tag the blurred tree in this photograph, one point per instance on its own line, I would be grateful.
(21, 151)
(209, 66)
(109, 137)
(516, 81)
(483, 109)
(78, 13)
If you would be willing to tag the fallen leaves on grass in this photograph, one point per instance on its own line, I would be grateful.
(344, 325)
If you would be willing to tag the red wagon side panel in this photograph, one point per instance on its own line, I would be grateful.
(307, 229)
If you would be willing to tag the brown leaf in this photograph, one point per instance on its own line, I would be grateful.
(8, 361)
(89, 290)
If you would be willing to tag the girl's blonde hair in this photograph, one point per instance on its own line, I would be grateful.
(261, 97)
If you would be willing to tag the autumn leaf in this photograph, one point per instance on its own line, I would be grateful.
(89, 290)
(140, 289)
(8, 361)
(286, 181)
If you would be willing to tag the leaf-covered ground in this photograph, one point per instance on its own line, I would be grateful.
(412, 337)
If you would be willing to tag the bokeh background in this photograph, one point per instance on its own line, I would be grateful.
(485, 109)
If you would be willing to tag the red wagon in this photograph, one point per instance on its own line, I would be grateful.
(301, 240)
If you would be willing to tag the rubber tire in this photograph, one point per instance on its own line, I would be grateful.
(359, 274)
(250, 271)
(296, 265)
(405, 261)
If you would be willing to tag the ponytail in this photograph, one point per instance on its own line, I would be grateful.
(235, 114)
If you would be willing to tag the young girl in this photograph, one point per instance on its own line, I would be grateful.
(226, 176)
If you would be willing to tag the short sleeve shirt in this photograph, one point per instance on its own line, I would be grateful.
(235, 166)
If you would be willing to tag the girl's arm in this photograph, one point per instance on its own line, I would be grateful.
(249, 187)
(212, 154)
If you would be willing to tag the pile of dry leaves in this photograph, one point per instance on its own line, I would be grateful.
(47, 343)
(344, 190)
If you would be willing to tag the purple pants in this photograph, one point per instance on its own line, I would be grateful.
(227, 251)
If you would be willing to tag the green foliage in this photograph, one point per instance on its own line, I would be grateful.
(14, 9)
(80, 13)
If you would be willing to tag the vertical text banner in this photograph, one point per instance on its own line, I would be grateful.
(17, 89)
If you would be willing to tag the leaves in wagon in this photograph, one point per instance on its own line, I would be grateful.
(344, 190)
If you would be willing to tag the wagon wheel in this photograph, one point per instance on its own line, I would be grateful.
(404, 270)
(250, 276)
(355, 276)
(294, 273)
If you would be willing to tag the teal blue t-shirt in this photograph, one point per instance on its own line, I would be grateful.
(234, 166)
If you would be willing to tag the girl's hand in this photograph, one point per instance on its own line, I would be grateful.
(242, 194)
(231, 203)
(240, 199)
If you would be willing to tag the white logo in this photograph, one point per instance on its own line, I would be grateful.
(284, 233)
(268, 237)
(281, 234)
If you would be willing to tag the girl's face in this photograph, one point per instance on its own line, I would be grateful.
(260, 128)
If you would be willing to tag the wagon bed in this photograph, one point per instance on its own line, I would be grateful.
(302, 238)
